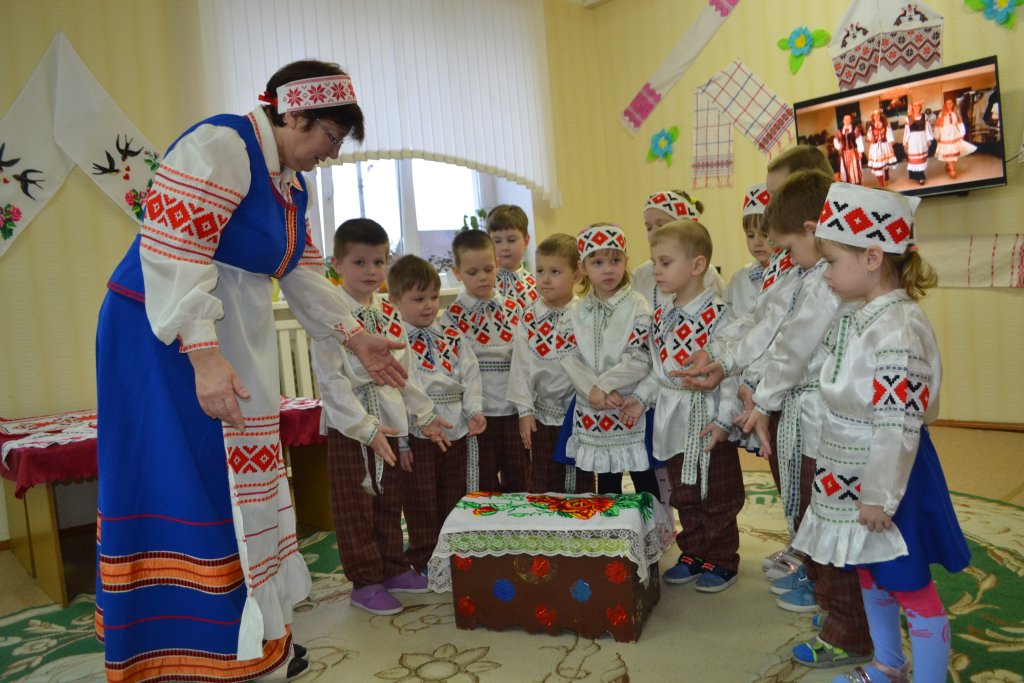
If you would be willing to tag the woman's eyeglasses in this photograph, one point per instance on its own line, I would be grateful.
(335, 142)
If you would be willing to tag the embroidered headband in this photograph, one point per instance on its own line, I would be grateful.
(673, 204)
(600, 237)
(755, 200)
(312, 93)
(864, 217)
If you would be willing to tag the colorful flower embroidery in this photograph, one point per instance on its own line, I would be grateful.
(9, 217)
(134, 199)
(661, 144)
(799, 44)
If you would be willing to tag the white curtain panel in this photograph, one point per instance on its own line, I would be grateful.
(459, 81)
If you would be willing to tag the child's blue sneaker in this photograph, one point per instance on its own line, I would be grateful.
(687, 569)
(791, 582)
(800, 599)
(818, 620)
(715, 578)
(817, 654)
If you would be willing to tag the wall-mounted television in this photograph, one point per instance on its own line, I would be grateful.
(930, 133)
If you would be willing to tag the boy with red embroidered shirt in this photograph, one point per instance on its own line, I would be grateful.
(433, 480)
(508, 227)
(489, 322)
(707, 483)
(365, 502)
(538, 385)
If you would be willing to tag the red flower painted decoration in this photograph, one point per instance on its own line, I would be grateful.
(482, 494)
(544, 614)
(540, 567)
(617, 616)
(466, 606)
(616, 572)
(579, 508)
(485, 510)
(461, 563)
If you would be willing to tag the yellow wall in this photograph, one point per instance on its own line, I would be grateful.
(146, 55)
(599, 58)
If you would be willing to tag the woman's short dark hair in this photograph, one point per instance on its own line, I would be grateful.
(348, 116)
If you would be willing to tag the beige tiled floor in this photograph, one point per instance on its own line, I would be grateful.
(983, 463)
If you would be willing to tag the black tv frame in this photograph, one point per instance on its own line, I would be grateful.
(956, 187)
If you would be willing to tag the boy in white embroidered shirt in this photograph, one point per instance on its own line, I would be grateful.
(508, 227)
(365, 502)
(434, 480)
(538, 385)
(489, 321)
(707, 483)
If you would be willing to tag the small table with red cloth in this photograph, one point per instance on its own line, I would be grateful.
(39, 452)
(549, 562)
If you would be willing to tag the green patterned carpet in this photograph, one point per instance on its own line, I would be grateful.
(738, 635)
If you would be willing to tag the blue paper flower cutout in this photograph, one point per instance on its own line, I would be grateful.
(999, 11)
(580, 591)
(661, 145)
(503, 590)
(800, 41)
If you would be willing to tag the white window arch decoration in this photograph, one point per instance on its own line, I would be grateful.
(458, 81)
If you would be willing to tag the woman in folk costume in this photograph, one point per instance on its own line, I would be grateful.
(198, 562)
(880, 153)
(949, 131)
(917, 137)
(850, 144)
(880, 502)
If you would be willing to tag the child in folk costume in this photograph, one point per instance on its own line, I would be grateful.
(849, 142)
(508, 227)
(880, 500)
(661, 208)
(489, 321)
(785, 381)
(538, 385)
(880, 153)
(917, 138)
(741, 294)
(707, 483)
(949, 131)
(603, 342)
(365, 501)
(743, 339)
(432, 479)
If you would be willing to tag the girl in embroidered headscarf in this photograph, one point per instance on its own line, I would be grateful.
(949, 131)
(661, 208)
(917, 137)
(850, 144)
(880, 152)
(880, 502)
(603, 347)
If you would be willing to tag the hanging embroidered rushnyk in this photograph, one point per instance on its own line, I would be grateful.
(735, 97)
(878, 40)
(62, 118)
(676, 63)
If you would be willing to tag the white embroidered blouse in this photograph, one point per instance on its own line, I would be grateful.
(741, 294)
(538, 384)
(340, 374)
(179, 302)
(604, 344)
(450, 375)
(519, 285)
(489, 326)
(879, 385)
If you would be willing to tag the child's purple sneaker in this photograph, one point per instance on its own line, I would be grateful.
(409, 581)
(375, 599)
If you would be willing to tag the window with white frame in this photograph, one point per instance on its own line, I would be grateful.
(422, 204)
